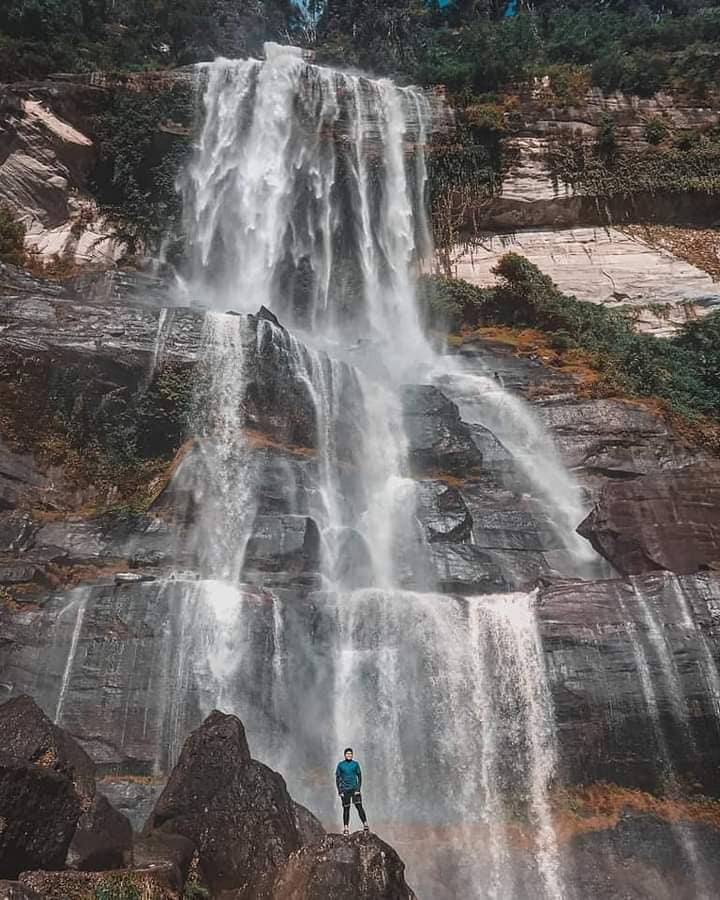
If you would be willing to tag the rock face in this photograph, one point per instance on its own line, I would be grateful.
(636, 524)
(356, 868)
(43, 175)
(438, 440)
(236, 810)
(638, 858)
(651, 715)
(39, 811)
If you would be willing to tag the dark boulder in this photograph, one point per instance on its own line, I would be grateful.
(355, 868)
(438, 440)
(667, 521)
(235, 810)
(309, 827)
(103, 839)
(39, 811)
(27, 734)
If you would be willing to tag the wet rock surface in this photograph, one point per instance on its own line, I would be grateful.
(103, 839)
(667, 521)
(439, 441)
(645, 857)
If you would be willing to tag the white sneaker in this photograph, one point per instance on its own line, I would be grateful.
(366, 828)
(346, 832)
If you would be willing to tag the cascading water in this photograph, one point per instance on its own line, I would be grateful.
(302, 197)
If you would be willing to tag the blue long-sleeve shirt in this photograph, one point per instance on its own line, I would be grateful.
(348, 776)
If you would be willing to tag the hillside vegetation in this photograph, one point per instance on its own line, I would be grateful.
(469, 45)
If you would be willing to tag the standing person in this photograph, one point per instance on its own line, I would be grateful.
(348, 779)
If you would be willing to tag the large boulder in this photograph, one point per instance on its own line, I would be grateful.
(308, 825)
(27, 734)
(103, 839)
(39, 811)
(235, 810)
(662, 521)
(355, 868)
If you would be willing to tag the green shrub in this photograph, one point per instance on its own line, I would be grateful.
(655, 130)
(118, 887)
(12, 237)
(684, 370)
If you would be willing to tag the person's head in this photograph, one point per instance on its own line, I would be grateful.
(348, 753)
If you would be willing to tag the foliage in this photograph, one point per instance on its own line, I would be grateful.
(138, 160)
(12, 237)
(656, 130)
(116, 888)
(195, 891)
(683, 370)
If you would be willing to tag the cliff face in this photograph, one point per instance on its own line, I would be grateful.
(630, 227)
(92, 625)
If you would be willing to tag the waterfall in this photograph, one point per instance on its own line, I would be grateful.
(306, 195)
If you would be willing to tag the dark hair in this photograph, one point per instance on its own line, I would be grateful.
(347, 750)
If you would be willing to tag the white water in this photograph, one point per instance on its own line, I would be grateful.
(79, 605)
(301, 197)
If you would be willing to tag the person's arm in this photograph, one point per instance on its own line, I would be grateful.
(359, 774)
(337, 778)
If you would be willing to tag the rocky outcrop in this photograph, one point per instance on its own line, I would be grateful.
(103, 839)
(602, 265)
(39, 811)
(236, 811)
(356, 868)
(45, 162)
(438, 440)
(27, 734)
(637, 524)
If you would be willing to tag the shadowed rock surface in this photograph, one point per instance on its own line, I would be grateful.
(39, 810)
(235, 810)
(103, 839)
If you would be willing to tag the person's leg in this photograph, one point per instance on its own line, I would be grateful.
(357, 800)
(346, 797)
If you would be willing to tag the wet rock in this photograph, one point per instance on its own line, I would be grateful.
(103, 839)
(39, 811)
(443, 513)
(13, 890)
(134, 798)
(133, 578)
(289, 544)
(21, 480)
(659, 627)
(665, 521)
(26, 733)
(438, 441)
(156, 883)
(645, 856)
(464, 569)
(235, 810)
(355, 868)
(308, 826)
